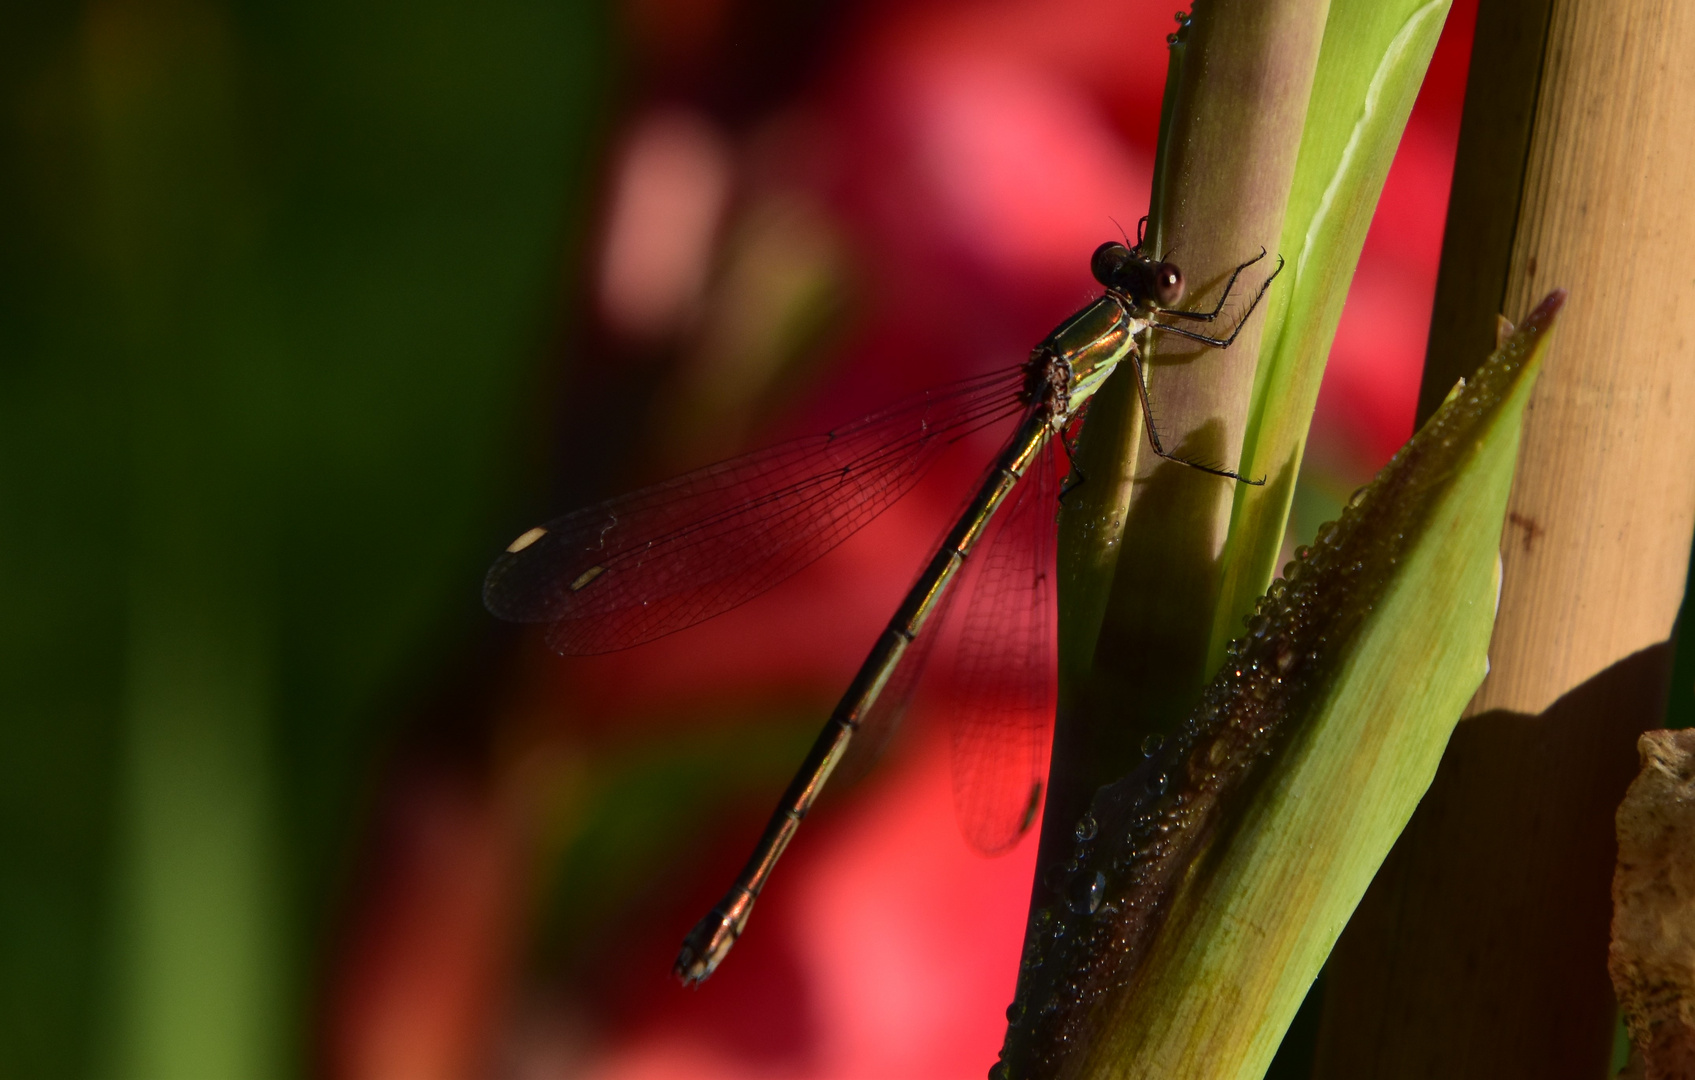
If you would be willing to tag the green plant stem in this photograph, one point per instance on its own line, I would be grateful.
(1143, 569)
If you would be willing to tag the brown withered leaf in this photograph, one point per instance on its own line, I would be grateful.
(1652, 957)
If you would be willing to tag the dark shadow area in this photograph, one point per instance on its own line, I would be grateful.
(1500, 104)
(1498, 893)
(1680, 696)
(1300, 1042)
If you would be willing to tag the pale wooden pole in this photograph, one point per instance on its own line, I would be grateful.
(1481, 949)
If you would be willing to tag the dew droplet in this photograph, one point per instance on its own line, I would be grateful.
(1087, 827)
(1152, 743)
(1085, 897)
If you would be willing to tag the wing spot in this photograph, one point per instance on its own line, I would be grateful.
(586, 577)
(526, 540)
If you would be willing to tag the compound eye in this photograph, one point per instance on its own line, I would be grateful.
(1108, 262)
(1168, 284)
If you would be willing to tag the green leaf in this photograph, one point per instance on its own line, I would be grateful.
(1369, 72)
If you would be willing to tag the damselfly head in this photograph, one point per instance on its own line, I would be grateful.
(1148, 281)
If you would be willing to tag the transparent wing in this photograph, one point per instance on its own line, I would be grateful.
(1006, 679)
(654, 561)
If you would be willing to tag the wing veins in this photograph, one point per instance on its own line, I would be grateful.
(887, 461)
(667, 577)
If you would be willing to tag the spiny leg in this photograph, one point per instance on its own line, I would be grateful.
(1135, 358)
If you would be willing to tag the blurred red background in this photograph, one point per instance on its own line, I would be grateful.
(802, 216)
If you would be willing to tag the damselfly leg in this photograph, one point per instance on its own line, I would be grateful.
(1158, 286)
(1158, 447)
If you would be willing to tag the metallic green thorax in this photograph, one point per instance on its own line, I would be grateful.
(1063, 372)
(1090, 345)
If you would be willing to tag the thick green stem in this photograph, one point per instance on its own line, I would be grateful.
(1139, 573)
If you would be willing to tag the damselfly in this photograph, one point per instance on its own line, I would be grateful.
(666, 557)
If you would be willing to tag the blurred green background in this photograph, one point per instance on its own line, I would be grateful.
(275, 279)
